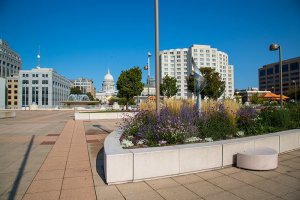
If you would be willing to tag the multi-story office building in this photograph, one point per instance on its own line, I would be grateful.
(10, 61)
(268, 76)
(178, 63)
(85, 85)
(43, 87)
(12, 92)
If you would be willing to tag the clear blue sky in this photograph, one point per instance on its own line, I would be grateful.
(82, 38)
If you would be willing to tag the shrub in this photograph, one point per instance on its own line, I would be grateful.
(248, 121)
(275, 119)
(216, 125)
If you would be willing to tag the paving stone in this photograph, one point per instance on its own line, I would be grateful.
(249, 192)
(273, 187)
(223, 196)
(177, 193)
(291, 164)
(246, 177)
(229, 170)
(145, 196)
(50, 174)
(85, 193)
(45, 185)
(265, 174)
(292, 196)
(134, 188)
(162, 183)
(186, 179)
(203, 188)
(53, 195)
(77, 182)
(76, 172)
(226, 182)
(108, 193)
(209, 174)
(288, 181)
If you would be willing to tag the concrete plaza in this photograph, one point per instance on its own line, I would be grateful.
(48, 155)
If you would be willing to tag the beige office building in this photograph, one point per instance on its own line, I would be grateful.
(12, 92)
(85, 85)
(177, 63)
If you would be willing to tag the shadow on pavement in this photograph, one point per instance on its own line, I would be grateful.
(16, 183)
(100, 164)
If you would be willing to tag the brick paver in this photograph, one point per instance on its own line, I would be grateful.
(66, 169)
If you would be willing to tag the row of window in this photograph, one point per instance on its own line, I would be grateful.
(35, 75)
(275, 70)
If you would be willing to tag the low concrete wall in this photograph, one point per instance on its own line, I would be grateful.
(102, 115)
(129, 165)
(7, 114)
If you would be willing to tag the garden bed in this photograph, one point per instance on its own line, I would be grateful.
(129, 165)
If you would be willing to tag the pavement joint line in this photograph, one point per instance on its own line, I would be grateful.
(154, 190)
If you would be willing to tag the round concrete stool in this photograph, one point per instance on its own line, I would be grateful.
(258, 159)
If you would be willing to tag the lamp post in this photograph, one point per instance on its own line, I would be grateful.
(157, 70)
(148, 78)
(275, 47)
(295, 90)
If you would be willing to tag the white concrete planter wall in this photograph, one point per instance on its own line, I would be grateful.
(102, 115)
(129, 165)
(7, 114)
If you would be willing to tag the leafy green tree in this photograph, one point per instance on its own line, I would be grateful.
(75, 90)
(130, 84)
(90, 96)
(168, 87)
(214, 86)
(255, 99)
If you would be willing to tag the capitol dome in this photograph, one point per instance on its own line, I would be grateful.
(108, 76)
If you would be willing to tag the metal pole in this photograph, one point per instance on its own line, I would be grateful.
(280, 77)
(148, 79)
(157, 70)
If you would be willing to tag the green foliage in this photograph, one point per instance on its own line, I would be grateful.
(130, 84)
(121, 101)
(90, 96)
(214, 87)
(217, 125)
(255, 99)
(168, 87)
(75, 90)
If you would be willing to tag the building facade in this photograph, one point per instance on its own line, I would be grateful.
(10, 61)
(268, 76)
(12, 84)
(178, 63)
(43, 87)
(108, 88)
(85, 85)
(2, 92)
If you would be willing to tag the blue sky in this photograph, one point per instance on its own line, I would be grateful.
(83, 38)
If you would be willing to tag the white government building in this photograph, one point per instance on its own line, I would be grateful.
(177, 63)
(42, 87)
(108, 88)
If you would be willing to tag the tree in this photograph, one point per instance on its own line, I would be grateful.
(168, 87)
(214, 87)
(130, 84)
(75, 90)
(90, 96)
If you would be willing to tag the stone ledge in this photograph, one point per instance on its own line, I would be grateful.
(130, 165)
(102, 115)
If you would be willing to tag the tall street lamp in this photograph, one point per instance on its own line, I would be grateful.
(295, 90)
(157, 70)
(148, 68)
(275, 47)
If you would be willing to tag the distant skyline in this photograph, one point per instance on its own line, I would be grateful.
(84, 38)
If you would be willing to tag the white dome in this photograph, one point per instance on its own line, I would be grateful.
(108, 77)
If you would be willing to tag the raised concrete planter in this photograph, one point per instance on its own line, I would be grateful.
(129, 165)
(262, 158)
(7, 114)
(102, 115)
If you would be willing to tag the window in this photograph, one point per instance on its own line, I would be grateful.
(207, 51)
(195, 50)
(294, 66)
(269, 71)
(35, 82)
(44, 81)
(25, 82)
(15, 86)
(285, 68)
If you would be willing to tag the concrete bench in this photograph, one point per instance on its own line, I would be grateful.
(258, 159)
